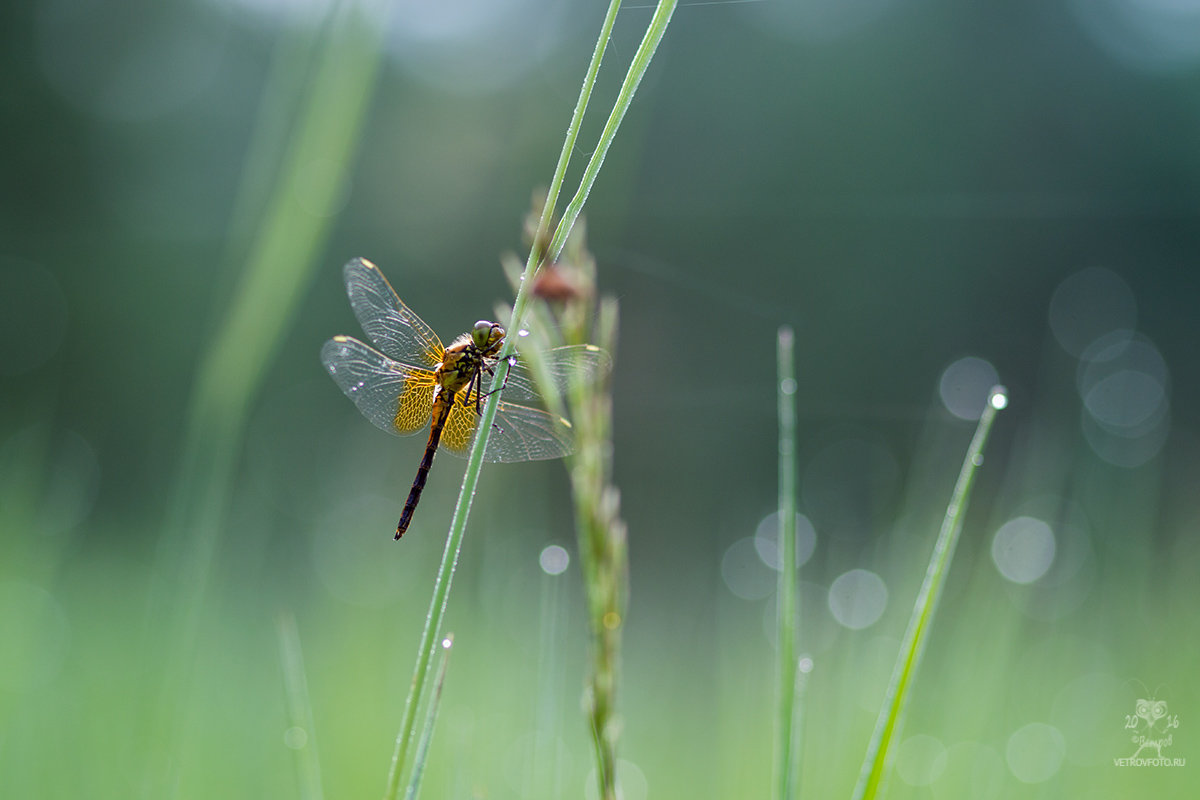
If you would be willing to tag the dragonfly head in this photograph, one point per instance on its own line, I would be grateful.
(487, 336)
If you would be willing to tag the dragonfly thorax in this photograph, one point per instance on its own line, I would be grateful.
(464, 359)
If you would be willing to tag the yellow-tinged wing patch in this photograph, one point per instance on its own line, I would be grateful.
(415, 403)
(460, 427)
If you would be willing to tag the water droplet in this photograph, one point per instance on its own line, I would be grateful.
(295, 738)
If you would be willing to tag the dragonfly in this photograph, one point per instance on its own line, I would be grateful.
(413, 380)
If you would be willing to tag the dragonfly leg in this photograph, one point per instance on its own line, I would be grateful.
(475, 382)
(512, 361)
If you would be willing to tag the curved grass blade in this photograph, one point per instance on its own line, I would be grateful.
(881, 750)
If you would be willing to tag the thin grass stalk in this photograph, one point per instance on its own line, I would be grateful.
(568, 148)
(462, 509)
(299, 707)
(637, 70)
(881, 750)
(786, 595)
(431, 712)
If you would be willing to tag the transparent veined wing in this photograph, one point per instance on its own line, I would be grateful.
(519, 433)
(396, 397)
(560, 365)
(389, 324)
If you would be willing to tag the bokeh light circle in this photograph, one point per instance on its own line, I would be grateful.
(966, 387)
(1023, 549)
(920, 760)
(858, 598)
(554, 559)
(1083, 711)
(1124, 385)
(766, 541)
(745, 573)
(974, 771)
(1035, 752)
(1089, 304)
(1123, 380)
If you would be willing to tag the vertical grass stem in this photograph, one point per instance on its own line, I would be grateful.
(786, 594)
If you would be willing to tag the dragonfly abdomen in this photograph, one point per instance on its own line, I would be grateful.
(441, 411)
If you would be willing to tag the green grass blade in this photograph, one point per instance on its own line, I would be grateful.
(301, 735)
(564, 156)
(637, 69)
(881, 750)
(462, 509)
(431, 712)
(786, 594)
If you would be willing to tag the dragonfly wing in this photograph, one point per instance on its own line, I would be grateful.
(559, 366)
(519, 433)
(394, 396)
(388, 323)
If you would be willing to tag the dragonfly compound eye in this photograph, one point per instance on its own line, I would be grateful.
(486, 334)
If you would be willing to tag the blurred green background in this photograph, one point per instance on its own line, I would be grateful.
(937, 196)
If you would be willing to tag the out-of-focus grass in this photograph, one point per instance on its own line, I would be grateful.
(698, 677)
(698, 691)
